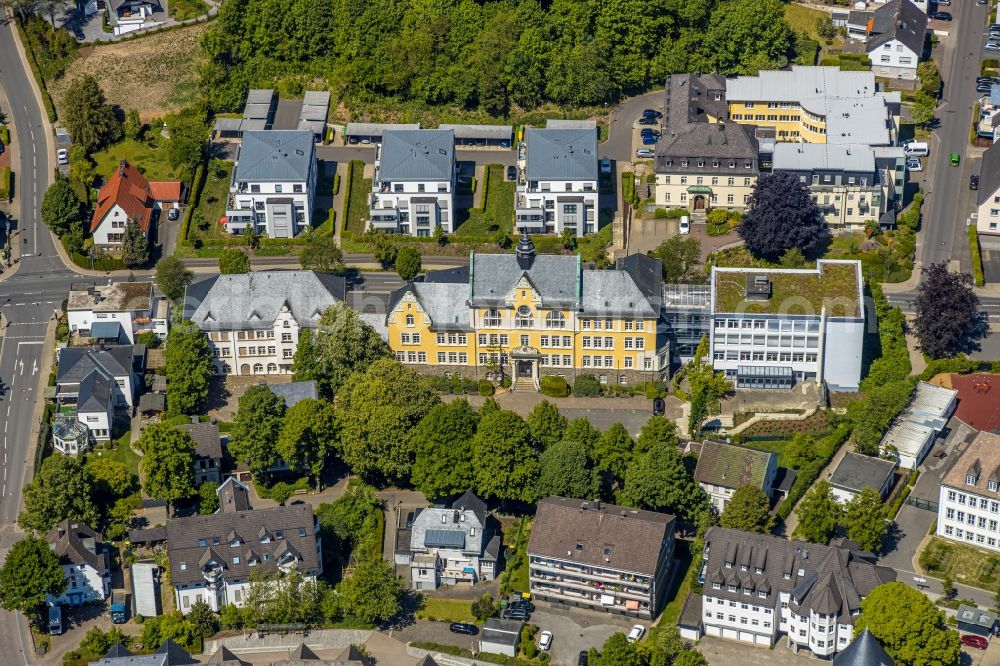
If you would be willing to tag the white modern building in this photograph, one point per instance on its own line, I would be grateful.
(253, 320)
(273, 183)
(84, 561)
(212, 557)
(757, 586)
(413, 190)
(723, 468)
(118, 311)
(969, 505)
(557, 181)
(914, 431)
(772, 328)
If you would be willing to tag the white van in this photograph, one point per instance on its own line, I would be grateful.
(916, 148)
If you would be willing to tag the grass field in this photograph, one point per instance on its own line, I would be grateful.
(357, 203)
(965, 564)
(803, 19)
(121, 453)
(148, 156)
(449, 610)
(212, 206)
(153, 75)
(182, 10)
(498, 208)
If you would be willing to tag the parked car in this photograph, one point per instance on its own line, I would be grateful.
(605, 165)
(516, 614)
(658, 406)
(983, 87)
(984, 79)
(940, 16)
(647, 131)
(648, 120)
(991, 46)
(980, 2)
(635, 633)
(512, 172)
(63, 156)
(174, 214)
(916, 148)
(545, 640)
(409, 520)
(353, 140)
(523, 604)
(583, 658)
(684, 227)
(975, 641)
(651, 113)
(944, 3)
(650, 139)
(644, 152)
(973, 182)
(913, 165)
(463, 628)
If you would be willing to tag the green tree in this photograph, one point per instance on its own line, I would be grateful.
(408, 262)
(110, 477)
(563, 471)
(252, 237)
(208, 498)
(547, 425)
(256, 429)
(81, 168)
(61, 489)
(930, 77)
(748, 510)
(657, 430)
(384, 249)
(133, 127)
(819, 513)
(188, 130)
(89, 118)
(690, 658)
(344, 344)
(924, 107)
(659, 481)
(483, 608)
(679, 256)
(865, 520)
(504, 462)
(440, 236)
(135, 245)
(617, 651)
(826, 29)
(167, 463)
(172, 277)
(233, 261)
(611, 456)
(322, 255)
(793, 258)
(579, 430)
(189, 368)
(745, 36)
(61, 208)
(30, 572)
(308, 436)
(73, 239)
(442, 447)
(372, 594)
(568, 238)
(375, 409)
(908, 626)
(203, 619)
(306, 359)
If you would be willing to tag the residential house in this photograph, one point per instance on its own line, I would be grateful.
(454, 545)
(557, 181)
(865, 650)
(816, 105)
(893, 35)
(702, 161)
(84, 561)
(969, 504)
(971, 620)
(501, 636)
(914, 431)
(168, 654)
(413, 190)
(125, 16)
(988, 196)
(212, 557)
(253, 320)
(127, 195)
(92, 382)
(273, 183)
(600, 556)
(118, 311)
(775, 327)
(207, 451)
(723, 468)
(525, 316)
(756, 586)
(855, 472)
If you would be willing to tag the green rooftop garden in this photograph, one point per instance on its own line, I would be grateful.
(835, 287)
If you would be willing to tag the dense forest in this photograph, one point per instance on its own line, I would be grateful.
(496, 56)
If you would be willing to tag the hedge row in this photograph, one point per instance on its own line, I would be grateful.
(977, 257)
(50, 108)
(197, 183)
(629, 195)
(102, 263)
(808, 473)
(4, 182)
(894, 364)
(959, 365)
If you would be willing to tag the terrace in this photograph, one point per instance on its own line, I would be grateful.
(834, 286)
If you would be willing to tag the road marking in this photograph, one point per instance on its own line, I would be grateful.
(29, 343)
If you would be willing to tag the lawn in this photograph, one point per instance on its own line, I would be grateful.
(803, 19)
(448, 610)
(965, 564)
(212, 205)
(147, 157)
(182, 10)
(497, 209)
(358, 198)
(680, 586)
(775, 445)
(515, 575)
(836, 288)
(122, 453)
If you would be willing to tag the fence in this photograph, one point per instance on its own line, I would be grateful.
(920, 503)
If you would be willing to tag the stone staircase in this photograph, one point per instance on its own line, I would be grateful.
(526, 384)
(699, 216)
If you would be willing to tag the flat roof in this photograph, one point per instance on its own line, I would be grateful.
(834, 285)
(856, 472)
(822, 157)
(559, 123)
(112, 297)
(376, 129)
(480, 131)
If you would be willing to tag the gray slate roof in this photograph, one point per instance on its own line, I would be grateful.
(275, 156)
(96, 393)
(451, 527)
(295, 392)
(902, 20)
(75, 363)
(443, 302)
(790, 156)
(732, 466)
(75, 542)
(863, 651)
(206, 439)
(635, 537)
(989, 174)
(253, 300)
(561, 154)
(832, 579)
(857, 471)
(555, 277)
(423, 154)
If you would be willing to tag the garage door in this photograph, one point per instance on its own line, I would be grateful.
(746, 637)
(764, 640)
(731, 633)
(713, 630)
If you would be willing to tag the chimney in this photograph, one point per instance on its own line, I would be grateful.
(121, 168)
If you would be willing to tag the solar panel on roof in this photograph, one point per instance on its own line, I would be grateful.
(444, 539)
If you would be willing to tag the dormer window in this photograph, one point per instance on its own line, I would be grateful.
(716, 586)
(747, 591)
(202, 543)
(970, 479)
(992, 485)
(758, 570)
(802, 572)
(762, 594)
(731, 588)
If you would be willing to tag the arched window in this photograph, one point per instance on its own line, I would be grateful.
(272, 368)
(409, 320)
(524, 318)
(491, 318)
(258, 368)
(555, 320)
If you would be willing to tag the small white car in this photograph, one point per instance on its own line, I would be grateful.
(685, 226)
(913, 165)
(63, 156)
(545, 640)
(635, 633)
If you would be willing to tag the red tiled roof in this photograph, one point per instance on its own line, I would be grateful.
(165, 190)
(130, 190)
(978, 400)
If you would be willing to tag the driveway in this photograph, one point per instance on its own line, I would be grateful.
(720, 652)
(622, 132)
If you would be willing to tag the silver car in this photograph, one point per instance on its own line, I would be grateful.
(644, 153)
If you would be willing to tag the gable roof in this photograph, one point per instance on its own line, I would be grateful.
(274, 155)
(561, 154)
(224, 657)
(75, 542)
(96, 393)
(421, 154)
(600, 534)
(75, 363)
(233, 496)
(206, 439)
(863, 651)
(733, 466)
(166, 190)
(129, 189)
(901, 20)
(989, 174)
(443, 302)
(982, 460)
(253, 300)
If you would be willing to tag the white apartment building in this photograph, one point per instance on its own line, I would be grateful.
(756, 586)
(772, 328)
(969, 505)
(253, 320)
(557, 181)
(413, 190)
(893, 36)
(273, 183)
(92, 382)
(212, 557)
(84, 561)
(988, 201)
(123, 310)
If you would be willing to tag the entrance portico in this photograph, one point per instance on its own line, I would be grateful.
(524, 362)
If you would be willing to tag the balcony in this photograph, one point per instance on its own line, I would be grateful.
(591, 573)
(594, 586)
